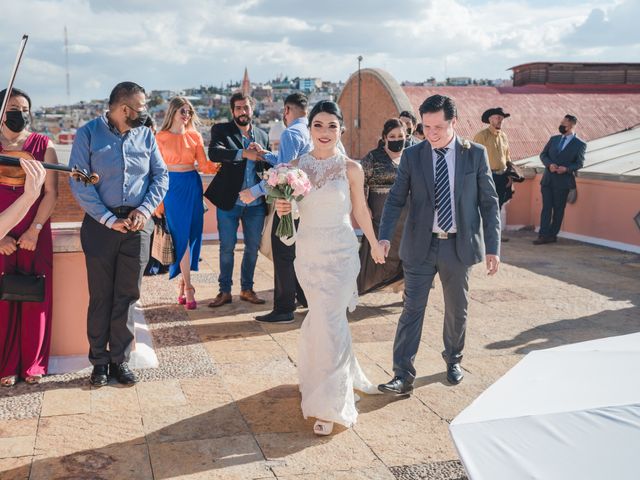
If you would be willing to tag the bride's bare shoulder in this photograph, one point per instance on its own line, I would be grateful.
(353, 165)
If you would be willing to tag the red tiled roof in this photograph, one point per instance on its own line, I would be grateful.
(536, 110)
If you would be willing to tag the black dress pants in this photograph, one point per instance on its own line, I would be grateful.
(554, 201)
(503, 188)
(115, 262)
(286, 286)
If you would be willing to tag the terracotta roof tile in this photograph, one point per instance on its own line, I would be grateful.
(536, 110)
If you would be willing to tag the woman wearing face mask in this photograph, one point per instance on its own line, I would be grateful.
(380, 168)
(182, 149)
(25, 327)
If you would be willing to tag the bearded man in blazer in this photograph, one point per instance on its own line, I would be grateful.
(453, 220)
(241, 169)
(563, 156)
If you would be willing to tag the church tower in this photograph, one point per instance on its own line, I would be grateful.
(246, 84)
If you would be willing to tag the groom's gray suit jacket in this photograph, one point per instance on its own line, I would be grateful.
(476, 204)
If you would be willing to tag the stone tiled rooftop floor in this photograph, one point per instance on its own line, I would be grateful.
(224, 403)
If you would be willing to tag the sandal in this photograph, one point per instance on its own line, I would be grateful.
(193, 304)
(322, 428)
(8, 381)
(33, 379)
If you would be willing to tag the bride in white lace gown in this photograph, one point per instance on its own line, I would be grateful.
(327, 266)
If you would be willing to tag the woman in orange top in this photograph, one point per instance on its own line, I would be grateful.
(182, 148)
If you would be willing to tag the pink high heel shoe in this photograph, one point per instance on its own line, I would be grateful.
(190, 305)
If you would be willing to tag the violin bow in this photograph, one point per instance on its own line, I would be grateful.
(12, 78)
(78, 174)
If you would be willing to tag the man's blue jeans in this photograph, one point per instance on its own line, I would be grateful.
(252, 219)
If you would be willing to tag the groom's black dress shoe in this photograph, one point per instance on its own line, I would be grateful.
(273, 317)
(454, 373)
(397, 386)
(99, 376)
(122, 373)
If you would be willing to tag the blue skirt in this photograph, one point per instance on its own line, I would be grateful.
(185, 216)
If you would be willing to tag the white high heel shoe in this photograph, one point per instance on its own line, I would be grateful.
(322, 428)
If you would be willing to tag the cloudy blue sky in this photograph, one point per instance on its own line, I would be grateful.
(168, 44)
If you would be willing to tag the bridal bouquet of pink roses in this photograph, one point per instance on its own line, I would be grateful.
(290, 183)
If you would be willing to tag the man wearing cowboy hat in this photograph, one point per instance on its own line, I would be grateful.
(497, 145)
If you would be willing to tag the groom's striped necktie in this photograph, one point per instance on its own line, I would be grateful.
(443, 191)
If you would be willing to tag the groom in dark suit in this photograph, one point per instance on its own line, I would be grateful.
(453, 221)
(563, 155)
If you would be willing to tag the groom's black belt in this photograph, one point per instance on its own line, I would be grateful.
(443, 235)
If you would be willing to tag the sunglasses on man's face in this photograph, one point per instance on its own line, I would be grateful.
(186, 112)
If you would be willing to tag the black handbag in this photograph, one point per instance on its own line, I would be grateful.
(22, 287)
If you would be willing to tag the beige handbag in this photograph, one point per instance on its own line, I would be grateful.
(265, 241)
(162, 248)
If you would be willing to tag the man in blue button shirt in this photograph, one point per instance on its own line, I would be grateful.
(241, 169)
(294, 142)
(116, 229)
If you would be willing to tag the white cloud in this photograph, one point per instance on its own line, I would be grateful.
(79, 49)
(92, 84)
(164, 44)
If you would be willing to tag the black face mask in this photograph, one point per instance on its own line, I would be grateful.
(395, 145)
(409, 131)
(140, 120)
(562, 129)
(17, 120)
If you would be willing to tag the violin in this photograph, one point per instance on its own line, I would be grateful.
(12, 158)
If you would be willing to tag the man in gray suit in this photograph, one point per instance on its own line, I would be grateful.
(563, 155)
(453, 205)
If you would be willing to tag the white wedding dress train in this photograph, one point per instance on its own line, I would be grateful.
(327, 266)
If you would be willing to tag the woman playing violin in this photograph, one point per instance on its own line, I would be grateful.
(25, 330)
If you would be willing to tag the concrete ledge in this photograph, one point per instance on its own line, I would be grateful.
(66, 237)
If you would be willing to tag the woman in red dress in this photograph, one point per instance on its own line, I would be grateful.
(25, 327)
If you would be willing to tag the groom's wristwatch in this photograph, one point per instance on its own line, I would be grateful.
(37, 226)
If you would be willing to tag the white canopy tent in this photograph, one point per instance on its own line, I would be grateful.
(571, 412)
